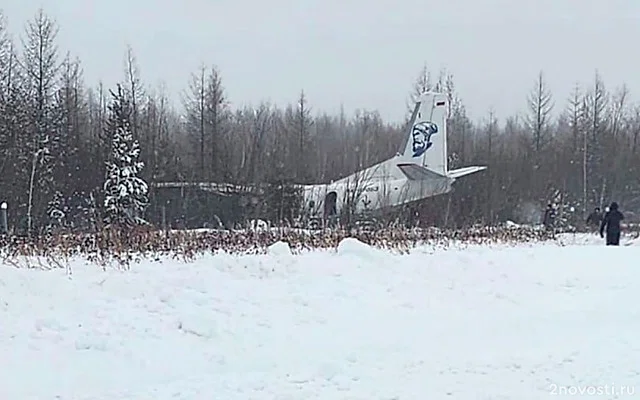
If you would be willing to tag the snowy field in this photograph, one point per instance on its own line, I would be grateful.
(525, 322)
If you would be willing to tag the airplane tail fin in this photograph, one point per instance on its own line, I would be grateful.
(426, 142)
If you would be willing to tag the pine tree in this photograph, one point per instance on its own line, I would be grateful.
(125, 192)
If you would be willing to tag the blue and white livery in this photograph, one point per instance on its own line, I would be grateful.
(417, 172)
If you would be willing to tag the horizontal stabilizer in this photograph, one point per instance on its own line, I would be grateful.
(415, 172)
(457, 173)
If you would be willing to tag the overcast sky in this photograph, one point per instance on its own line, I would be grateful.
(359, 53)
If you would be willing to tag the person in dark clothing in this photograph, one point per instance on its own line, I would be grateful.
(594, 219)
(611, 222)
(549, 217)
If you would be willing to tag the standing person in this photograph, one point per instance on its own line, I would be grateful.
(594, 219)
(549, 218)
(611, 222)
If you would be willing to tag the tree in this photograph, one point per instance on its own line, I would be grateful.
(355, 192)
(6, 54)
(7, 61)
(575, 115)
(421, 84)
(424, 83)
(206, 113)
(490, 131)
(259, 120)
(55, 143)
(216, 115)
(540, 107)
(595, 106)
(134, 89)
(302, 122)
(41, 150)
(614, 163)
(70, 107)
(125, 192)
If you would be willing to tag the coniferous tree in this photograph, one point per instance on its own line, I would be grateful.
(55, 148)
(40, 147)
(125, 192)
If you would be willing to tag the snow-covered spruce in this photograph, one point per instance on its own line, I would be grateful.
(125, 193)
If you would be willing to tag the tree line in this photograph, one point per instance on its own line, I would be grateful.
(62, 139)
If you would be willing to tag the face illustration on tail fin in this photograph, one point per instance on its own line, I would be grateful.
(421, 137)
(425, 142)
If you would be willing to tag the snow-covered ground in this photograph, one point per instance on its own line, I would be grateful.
(523, 322)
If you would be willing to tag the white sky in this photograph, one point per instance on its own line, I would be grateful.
(359, 53)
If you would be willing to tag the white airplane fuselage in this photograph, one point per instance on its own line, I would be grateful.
(379, 187)
(418, 171)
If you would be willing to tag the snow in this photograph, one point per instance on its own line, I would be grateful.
(125, 192)
(505, 322)
(280, 249)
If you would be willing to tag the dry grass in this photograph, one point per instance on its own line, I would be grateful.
(121, 248)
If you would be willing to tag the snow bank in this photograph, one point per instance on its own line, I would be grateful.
(280, 249)
(477, 323)
(354, 247)
(591, 239)
(357, 253)
(632, 242)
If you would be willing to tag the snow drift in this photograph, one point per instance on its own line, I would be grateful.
(357, 323)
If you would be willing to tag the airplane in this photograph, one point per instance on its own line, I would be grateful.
(418, 171)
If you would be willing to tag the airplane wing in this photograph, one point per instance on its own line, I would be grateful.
(223, 189)
(415, 172)
(457, 173)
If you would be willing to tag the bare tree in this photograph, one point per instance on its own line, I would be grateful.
(635, 131)
(302, 122)
(7, 98)
(491, 131)
(422, 83)
(6, 56)
(195, 105)
(40, 64)
(595, 106)
(134, 88)
(355, 192)
(575, 115)
(614, 163)
(260, 118)
(217, 116)
(540, 108)
(71, 104)
(52, 141)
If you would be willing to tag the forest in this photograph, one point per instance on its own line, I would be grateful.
(65, 141)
